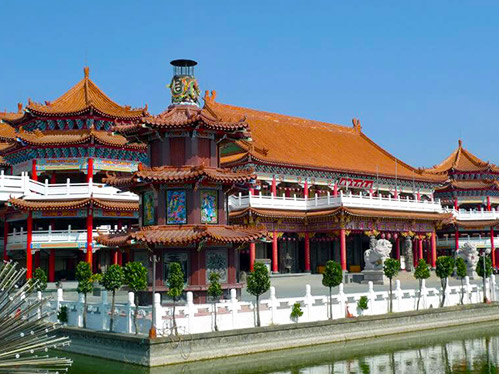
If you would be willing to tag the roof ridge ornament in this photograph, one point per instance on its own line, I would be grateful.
(356, 124)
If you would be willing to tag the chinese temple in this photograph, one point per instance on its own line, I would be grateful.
(53, 153)
(183, 217)
(470, 191)
(216, 187)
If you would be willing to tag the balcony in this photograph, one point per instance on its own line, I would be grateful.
(26, 188)
(66, 238)
(480, 242)
(319, 203)
(473, 215)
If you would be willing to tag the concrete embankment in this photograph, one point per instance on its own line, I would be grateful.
(163, 351)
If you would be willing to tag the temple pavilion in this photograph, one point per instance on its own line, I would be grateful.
(53, 156)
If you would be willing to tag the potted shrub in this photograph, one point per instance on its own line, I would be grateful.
(296, 312)
(175, 284)
(258, 282)
(215, 292)
(112, 281)
(136, 278)
(362, 305)
(332, 277)
(391, 270)
(422, 272)
(444, 268)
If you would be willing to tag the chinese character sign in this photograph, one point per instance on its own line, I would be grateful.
(148, 208)
(176, 207)
(208, 206)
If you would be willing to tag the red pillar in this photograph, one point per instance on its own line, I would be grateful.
(120, 258)
(29, 237)
(273, 187)
(420, 249)
(5, 239)
(455, 203)
(52, 265)
(53, 178)
(251, 191)
(343, 258)
(457, 236)
(306, 190)
(335, 190)
(90, 224)
(307, 251)
(433, 250)
(33, 170)
(398, 249)
(492, 239)
(275, 252)
(90, 169)
(252, 255)
(488, 203)
(115, 256)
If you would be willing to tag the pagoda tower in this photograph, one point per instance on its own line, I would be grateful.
(183, 193)
(56, 153)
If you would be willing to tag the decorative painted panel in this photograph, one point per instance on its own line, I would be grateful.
(115, 165)
(176, 207)
(99, 212)
(61, 164)
(59, 214)
(208, 199)
(216, 261)
(148, 208)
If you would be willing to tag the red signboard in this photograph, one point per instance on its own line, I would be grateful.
(355, 182)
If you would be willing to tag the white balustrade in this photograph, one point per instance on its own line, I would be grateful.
(480, 242)
(234, 314)
(24, 187)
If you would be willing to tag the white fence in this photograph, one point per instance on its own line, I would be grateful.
(479, 242)
(234, 314)
(23, 186)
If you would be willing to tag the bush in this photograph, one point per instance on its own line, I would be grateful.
(332, 277)
(136, 278)
(444, 269)
(62, 314)
(422, 272)
(461, 273)
(112, 280)
(258, 282)
(391, 269)
(40, 278)
(363, 303)
(296, 312)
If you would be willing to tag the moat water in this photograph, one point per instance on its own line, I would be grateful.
(463, 350)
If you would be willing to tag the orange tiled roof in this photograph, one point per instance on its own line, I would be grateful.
(12, 116)
(63, 137)
(7, 132)
(168, 235)
(292, 141)
(82, 97)
(22, 204)
(462, 160)
(470, 185)
(470, 224)
(181, 174)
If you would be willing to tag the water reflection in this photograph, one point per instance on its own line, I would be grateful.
(468, 349)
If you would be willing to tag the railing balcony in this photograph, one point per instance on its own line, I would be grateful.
(74, 237)
(24, 187)
(329, 201)
(462, 214)
(480, 242)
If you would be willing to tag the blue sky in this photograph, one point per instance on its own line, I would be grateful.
(418, 74)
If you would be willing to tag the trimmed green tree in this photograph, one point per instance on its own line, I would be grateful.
(175, 284)
(214, 291)
(461, 273)
(391, 270)
(136, 278)
(422, 272)
(484, 269)
(112, 280)
(84, 277)
(258, 282)
(444, 269)
(39, 280)
(332, 277)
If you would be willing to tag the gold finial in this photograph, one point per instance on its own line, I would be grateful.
(86, 72)
(459, 143)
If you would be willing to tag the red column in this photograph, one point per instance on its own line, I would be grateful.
(275, 252)
(115, 256)
(29, 257)
(455, 203)
(52, 265)
(433, 250)
(33, 170)
(53, 178)
(398, 249)
(492, 239)
(306, 190)
(251, 191)
(273, 187)
(335, 190)
(488, 203)
(307, 251)
(420, 249)
(343, 257)
(90, 169)
(252, 255)
(5, 239)
(90, 224)
(120, 258)
(456, 240)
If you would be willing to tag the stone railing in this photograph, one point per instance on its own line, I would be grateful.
(17, 238)
(234, 314)
(473, 215)
(479, 242)
(24, 187)
(237, 202)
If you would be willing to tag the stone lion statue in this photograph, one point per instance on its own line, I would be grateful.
(376, 255)
(468, 252)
